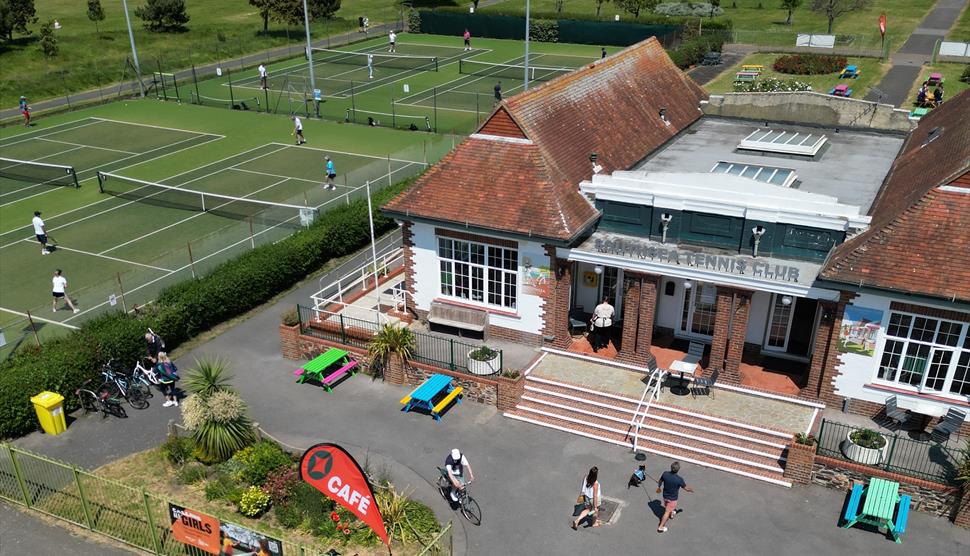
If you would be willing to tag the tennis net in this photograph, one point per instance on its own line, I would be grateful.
(246, 103)
(395, 61)
(509, 71)
(39, 173)
(238, 208)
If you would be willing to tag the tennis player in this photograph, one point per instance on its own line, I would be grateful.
(41, 232)
(25, 110)
(370, 66)
(392, 38)
(262, 75)
(468, 39)
(498, 92)
(60, 291)
(298, 130)
(331, 172)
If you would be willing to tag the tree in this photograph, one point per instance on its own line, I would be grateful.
(599, 6)
(95, 13)
(48, 42)
(636, 6)
(290, 12)
(163, 15)
(715, 4)
(791, 6)
(265, 8)
(16, 15)
(834, 8)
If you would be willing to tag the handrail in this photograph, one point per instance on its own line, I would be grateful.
(656, 380)
(361, 277)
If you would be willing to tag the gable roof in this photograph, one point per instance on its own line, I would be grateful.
(523, 167)
(921, 216)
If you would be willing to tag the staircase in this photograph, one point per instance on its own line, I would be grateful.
(666, 430)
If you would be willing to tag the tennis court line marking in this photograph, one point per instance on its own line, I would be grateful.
(318, 182)
(408, 75)
(464, 81)
(304, 147)
(41, 319)
(116, 259)
(182, 221)
(49, 132)
(85, 146)
(158, 127)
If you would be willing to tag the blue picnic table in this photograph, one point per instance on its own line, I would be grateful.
(425, 395)
(882, 502)
(849, 72)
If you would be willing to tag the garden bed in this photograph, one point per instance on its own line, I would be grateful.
(872, 72)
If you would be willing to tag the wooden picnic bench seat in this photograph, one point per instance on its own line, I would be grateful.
(752, 68)
(903, 514)
(334, 376)
(852, 510)
(456, 316)
(436, 411)
(746, 76)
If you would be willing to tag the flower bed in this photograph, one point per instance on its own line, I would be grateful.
(809, 64)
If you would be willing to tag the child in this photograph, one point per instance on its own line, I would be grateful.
(167, 376)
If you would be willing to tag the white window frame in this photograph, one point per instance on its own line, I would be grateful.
(790, 308)
(483, 268)
(957, 351)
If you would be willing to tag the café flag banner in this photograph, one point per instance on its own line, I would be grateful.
(194, 528)
(334, 472)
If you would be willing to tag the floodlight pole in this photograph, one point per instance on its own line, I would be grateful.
(373, 251)
(525, 83)
(309, 49)
(134, 51)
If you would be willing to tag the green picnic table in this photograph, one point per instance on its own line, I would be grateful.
(315, 368)
(879, 508)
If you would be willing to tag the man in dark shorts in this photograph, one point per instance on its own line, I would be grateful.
(602, 53)
(41, 232)
(498, 92)
(60, 292)
(670, 482)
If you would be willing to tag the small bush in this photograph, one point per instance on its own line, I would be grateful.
(682, 9)
(259, 459)
(280, 484)
(223, 486)
(771, 85)
(290, 317)
(543, 30)
(307, 509)
(191, 473)
(692, 51)
(483, 353)
(177, 450)
(809, 64)
(253, 502)
(868, 438)
(966, 74)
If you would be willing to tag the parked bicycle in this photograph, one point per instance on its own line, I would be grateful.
(144, 373)
(118, 384)
(466, 504)
(101, 401)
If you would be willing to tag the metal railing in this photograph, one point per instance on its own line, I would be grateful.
(330, 298)
(920, 459)
(650, 393)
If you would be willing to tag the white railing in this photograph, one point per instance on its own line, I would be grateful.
(650, 393)
(329, 300)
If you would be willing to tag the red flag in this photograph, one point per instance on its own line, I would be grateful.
(334, 472)
(882, 24)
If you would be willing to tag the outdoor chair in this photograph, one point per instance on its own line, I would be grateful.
(705, 385)
(950, 424)
(577, 320)
(894, 415)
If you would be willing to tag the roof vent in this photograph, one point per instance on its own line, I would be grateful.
(783, 142)
(663, 116)
(933, 135)
(596, 167)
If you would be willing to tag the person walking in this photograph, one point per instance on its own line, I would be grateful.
(468, 40)
(498, 92)
(602, 323)
(392, 38)
(167, 376)
(370, 66)
(60, 292)
(589, 497)
(40, 230)
(331, 171)
(25, 110)
(670, 484)
(602, 52)
(262, 75)
(298, 130)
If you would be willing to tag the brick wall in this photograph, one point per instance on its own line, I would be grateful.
(820, 352)
(631, 316)
(799, 466)
(480, 389)
(961, 509)
(739, 328)
(290, 341)
(512, 335)
(555, 317)
(827, 393)
(407, 236)
(509, 391)
(648, 309)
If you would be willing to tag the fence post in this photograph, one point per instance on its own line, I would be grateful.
(84, 502)
(343, 331)
(151, 523)
(821, 430)
(19, 474)
(892, 450)
(451, 359)
(501, 360)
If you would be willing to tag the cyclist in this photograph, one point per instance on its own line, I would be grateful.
(456, 463)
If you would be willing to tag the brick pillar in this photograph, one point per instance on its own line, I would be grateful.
(721, 319)
(826, 392)
(555, 311)
(408, 240)
(820, 349)
(509, 391)
(648, 309)
(290, 341)
(801, 459)
(394, 370)
(739, 329)
(961, 507)
(631, 314)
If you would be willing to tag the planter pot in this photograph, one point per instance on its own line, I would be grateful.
(482, 368)
(867, 456)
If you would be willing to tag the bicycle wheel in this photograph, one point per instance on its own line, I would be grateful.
(111, 388)
(138, 395)
(89, 401)
(471, 510)
(443, 488)
(114, 407)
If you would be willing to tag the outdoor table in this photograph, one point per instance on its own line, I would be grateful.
(849, 72)
(682, 367)
(882, 496)
(314, 369)
(922, 408)
(841, 91)
(424, 395)
(935, 78)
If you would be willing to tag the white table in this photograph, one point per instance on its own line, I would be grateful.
(684, 366)
(922, 408)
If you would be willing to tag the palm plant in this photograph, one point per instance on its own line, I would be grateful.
(215, 413)
(208, 376)
(392, 341)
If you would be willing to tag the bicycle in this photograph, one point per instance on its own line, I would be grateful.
(145, 375)
(119, 384)
(466, 504)
(102, 401)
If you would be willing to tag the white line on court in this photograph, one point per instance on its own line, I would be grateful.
(304, 147)
(36, 184)
(41, 319)
(318, 182)
(157, 126)
(126, 261)
(86, 146)
(24, 137)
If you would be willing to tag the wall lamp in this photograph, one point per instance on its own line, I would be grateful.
(665, 219)
(786, 300)
(688, 284)
(598, 269)
(757, 232)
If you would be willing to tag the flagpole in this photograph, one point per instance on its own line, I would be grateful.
(373, 250)
(525, 84)
(134, 51)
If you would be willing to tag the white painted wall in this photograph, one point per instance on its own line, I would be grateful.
(669, 307)
(758, 317)
(586, 295)
(427, 284)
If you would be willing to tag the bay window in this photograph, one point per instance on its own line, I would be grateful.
(477, 272)
(929, 354)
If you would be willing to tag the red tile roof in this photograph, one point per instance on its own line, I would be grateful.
(917, 228)
(530, 186)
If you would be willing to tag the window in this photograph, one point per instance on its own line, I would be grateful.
(929, 354)
(479, 273)
(783, 142)
(783, 177)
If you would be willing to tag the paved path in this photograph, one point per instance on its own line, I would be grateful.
(23, 533)
(703, 75)
(917, 50)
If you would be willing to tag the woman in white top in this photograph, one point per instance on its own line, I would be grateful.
(602, 321)
(60, 291)
(591, 498)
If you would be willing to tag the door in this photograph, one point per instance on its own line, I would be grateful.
(779, 322)
(790, 327)
(697, 318)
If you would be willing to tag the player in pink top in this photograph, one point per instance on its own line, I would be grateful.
(468, 40)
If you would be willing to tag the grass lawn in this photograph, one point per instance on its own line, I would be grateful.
(872, 71)
(218, 29)
(961, 30)
(951, 86)
(767, 25)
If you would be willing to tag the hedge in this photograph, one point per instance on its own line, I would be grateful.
(181, 311)
(690, 52)
(809, 64)
(644, 19)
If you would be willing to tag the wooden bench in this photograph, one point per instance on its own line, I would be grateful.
(753, 68)
(746, 76)
(334, 376)
(440, 406)
(458, 317)
(903, 514)
(852, 510)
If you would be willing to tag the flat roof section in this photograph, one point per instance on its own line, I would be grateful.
(851, 167)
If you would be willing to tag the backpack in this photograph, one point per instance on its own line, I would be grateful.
(167, 372)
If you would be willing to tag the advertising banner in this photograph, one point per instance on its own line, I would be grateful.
(334, 472)
(238, 540)
(194, 528)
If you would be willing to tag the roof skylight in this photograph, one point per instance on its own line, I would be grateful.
(782, 177)
(783, 142)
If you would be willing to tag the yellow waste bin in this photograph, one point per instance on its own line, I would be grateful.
(50, 411)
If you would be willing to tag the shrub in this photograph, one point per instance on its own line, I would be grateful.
(868, 438)
(290, 317)
(280, 484)
(771, 85)
(543, 30)
(215, 414)
(177, 450)
(307, 509)
(413, 18)
(253, 502)
(223, 486)
(191, 473)
(696, 9)
(483, 353)
(163, 15)
(809, 64)
(965, 77)
(259, 459)
(692, 51)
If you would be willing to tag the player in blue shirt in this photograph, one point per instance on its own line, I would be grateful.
(25, 110)
(331, 172)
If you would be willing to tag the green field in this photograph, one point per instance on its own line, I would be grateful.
(951, 85)
(135, 238)
(872, 72)
(404, 89)
(961, 30)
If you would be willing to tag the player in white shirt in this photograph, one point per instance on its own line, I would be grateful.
(298, 130)
(262, 75)
(392, 38)
(370, 66)
(41, 232)
(60, 291)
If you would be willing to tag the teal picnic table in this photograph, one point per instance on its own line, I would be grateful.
(881, 499)
(316, 367)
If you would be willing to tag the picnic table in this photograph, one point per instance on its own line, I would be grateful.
(850, 72)
(746, 76)
(918, 113)
(753, 68)
(316, 367)
(841, 91)
(428, 395)
(881, 500)
(934, 79)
